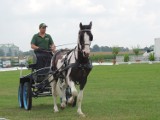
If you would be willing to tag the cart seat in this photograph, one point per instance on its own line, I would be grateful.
(43, 60)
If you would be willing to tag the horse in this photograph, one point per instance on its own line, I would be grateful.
(72, 67)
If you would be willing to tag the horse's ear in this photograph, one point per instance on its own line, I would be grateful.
(90, 24)
(80, 25)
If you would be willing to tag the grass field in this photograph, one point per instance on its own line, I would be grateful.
(123, 92)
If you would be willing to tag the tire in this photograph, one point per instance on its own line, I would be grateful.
(27, 96)
(20, 95)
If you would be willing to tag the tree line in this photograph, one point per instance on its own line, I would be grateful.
(95, 48)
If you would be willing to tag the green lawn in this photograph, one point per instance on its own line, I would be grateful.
(123, 92)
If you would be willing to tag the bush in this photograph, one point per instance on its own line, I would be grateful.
(100, 57)
(151, 57)
(136, 50)
(126, 58)
(30, 61)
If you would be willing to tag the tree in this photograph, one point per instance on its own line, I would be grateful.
(115, 51)
(136, 50)
(2, 52)
(105, 49)
(95, 48)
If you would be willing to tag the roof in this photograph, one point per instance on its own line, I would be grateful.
(9, 45)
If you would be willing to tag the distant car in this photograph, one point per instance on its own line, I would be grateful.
(6, 64)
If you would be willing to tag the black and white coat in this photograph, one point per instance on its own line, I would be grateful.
(76, 74)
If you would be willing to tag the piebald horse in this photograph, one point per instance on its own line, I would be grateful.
(73, 67)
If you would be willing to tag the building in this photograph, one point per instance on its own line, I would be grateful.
(157, 48)
(9, 49)
(9, 62)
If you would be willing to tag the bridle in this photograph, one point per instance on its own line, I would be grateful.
(85, 30)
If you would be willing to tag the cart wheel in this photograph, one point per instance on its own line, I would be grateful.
(27, 96)
(20, 95)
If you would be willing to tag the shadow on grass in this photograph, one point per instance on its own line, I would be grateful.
(44, 107)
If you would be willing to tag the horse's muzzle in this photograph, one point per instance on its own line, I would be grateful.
(85, 54)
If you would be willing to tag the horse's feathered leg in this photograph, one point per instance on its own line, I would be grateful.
(61, 86)
(80, 96)
(79, 101)
(54, 94)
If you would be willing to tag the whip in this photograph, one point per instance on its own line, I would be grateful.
(66, 44)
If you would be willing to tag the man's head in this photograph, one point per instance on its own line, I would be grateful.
(42, 28)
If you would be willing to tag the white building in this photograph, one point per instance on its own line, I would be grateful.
(157, 48)
(9, 49)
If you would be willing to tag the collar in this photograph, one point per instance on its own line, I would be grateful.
(40, 36)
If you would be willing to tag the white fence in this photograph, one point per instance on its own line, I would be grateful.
(133, 58)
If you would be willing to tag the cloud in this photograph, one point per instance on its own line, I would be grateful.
(117, 22)
(87, 6)
(25, 7)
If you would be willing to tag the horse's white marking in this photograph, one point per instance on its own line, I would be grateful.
(79, 44)
(73, 88)
(87, 43)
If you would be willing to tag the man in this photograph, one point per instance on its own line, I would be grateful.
(42, 40)
(40, 43)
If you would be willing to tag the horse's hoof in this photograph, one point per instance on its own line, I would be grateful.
(63, 106)
(56, 109)
(82, 115)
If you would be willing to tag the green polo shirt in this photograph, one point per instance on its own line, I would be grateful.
(42, 42)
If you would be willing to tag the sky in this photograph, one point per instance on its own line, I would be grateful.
(126, 23)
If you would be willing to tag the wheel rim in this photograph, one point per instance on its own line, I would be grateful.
(25, 96)
(19, 97)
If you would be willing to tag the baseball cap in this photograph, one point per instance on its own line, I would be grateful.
(42, 25)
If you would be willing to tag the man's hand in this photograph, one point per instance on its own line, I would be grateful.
(53, 48)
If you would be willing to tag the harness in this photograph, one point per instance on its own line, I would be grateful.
(65, 66)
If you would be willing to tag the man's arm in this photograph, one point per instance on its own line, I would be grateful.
(33, 43)
(34, 47)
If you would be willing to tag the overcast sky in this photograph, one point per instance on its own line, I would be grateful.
(115, 22)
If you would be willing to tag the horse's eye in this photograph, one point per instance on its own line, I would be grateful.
(91, 37)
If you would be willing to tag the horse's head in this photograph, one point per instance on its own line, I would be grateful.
(85, 38)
